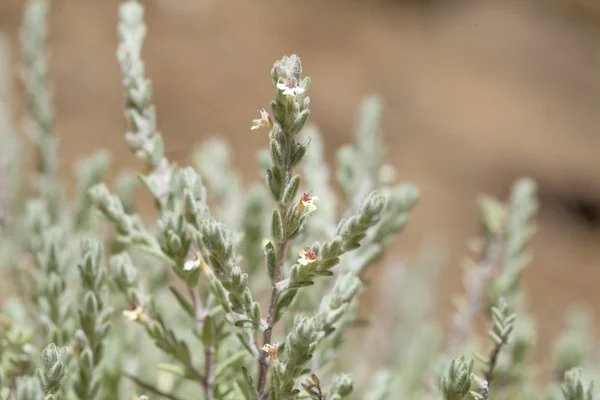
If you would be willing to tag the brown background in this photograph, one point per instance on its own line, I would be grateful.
(477, 93)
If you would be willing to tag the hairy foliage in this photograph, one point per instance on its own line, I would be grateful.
(244, 291)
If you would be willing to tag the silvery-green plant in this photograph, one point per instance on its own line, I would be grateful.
(575, 387)
(456, 384)
(250, 297)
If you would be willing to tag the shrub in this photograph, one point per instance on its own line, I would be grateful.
(172, 308)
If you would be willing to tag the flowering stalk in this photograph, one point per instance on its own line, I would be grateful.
(176, 228)
(502, 327)
(40, 113)
(576, 387)
(290, 112)
(46, 266)
(34, 75)
(507, 229)
(144, 140)
(477, 275)
(93, 318)
(9, 155)
(456, 384)
(126, 279)
(53, 374)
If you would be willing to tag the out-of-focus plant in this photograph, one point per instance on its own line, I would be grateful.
(242, 292)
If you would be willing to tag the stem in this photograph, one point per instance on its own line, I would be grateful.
(195, 373)
(263, 363)
(147, 386)
(209, 355)
(476, 284)
(209, 351)
(201, 313)
(493, 361)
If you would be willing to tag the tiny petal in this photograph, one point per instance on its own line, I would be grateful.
(290, 88)
(303, 261)
(133, 315)
(193, 262)
(265, 120)
(308, 201)
(307, 257)
(271, 349)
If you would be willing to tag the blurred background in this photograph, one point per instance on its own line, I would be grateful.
(476, 94)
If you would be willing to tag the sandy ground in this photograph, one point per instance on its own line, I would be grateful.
(476, 93)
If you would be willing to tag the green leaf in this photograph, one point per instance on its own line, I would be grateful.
(300, 284)
(277, 153)
(277, 225)
(301, 152)
(271, 259)
(183, 302)
(193, 277)
(250, 384)
(246, 323)
(283, 304)
(173, 368)
(228, 362)
(290, 190)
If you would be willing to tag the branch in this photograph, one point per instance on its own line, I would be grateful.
(148, 386)
(263, 363)
(209, 350)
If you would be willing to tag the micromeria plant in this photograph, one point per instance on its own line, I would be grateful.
(248, 298)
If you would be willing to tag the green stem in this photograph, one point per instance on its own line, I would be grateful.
(263, 360)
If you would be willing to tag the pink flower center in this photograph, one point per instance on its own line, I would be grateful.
(310, 255)
(306, 197)
(291, 83)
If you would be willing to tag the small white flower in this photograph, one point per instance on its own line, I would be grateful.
(308, 201)
(307, 257)
(290, 87)
(134, 312)
(193, 263)
(271, 349)
(265, 120)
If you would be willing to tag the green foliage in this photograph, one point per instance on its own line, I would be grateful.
(573, 347)
(53, 374)
(244, 292)
(575, 387)
(457, 381)
(502, 327)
